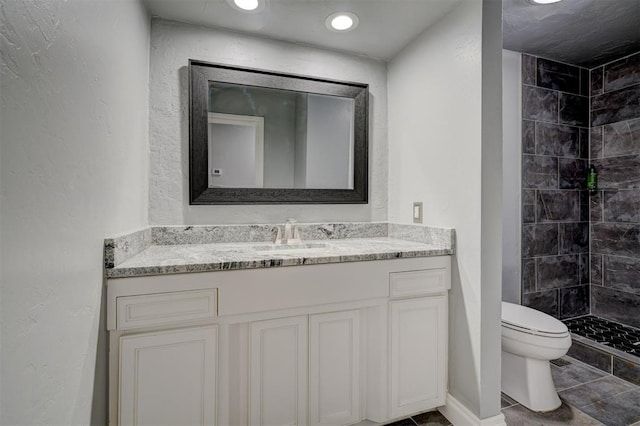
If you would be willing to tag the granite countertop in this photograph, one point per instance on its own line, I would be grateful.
(171, 250)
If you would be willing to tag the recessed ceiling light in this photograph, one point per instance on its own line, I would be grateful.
(247, 5)
(342, 22)
(543, 1)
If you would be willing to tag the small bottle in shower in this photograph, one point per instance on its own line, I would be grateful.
(592, 180)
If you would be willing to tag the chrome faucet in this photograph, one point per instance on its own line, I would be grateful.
(291, 234)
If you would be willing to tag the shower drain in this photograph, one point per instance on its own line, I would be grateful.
(606, 332)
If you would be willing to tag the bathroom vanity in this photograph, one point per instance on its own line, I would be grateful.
(223, 334)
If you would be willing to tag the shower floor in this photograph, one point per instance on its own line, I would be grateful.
(605, 332)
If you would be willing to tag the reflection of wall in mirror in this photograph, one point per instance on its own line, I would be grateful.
(329, 159)
(300, 167)
(308, 138)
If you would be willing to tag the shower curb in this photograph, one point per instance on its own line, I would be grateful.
(612, 361)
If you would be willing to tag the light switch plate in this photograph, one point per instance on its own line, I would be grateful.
(417, 212)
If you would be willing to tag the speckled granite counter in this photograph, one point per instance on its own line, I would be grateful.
(171, 250)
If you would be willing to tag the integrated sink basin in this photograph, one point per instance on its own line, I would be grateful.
(291, 248)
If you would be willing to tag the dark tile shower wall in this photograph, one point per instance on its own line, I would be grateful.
(615, 210)
(581, 253)
(555, 204)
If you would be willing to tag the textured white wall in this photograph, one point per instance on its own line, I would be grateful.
(491, 224)
(435, 156)
(330, 140)
(512, 169)
(172, 45)
(74, 169)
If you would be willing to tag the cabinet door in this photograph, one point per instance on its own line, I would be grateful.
(169, 378)
(278, 376)
(418, 367)
(334, 368)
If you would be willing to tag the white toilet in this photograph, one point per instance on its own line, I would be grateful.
(530, 339)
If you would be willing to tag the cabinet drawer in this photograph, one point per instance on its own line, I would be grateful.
(163, 308)
(418, 283)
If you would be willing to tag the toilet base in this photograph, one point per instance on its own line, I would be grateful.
(529, 382)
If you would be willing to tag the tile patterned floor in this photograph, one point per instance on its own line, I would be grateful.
(589, 397)
(607, 332)
(432, 418)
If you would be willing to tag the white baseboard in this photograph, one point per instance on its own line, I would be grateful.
(460, 415)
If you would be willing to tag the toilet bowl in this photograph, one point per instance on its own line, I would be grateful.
(530, 339)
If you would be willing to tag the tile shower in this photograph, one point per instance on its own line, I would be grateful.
(615, 210)
(581, 252)
(555, 210)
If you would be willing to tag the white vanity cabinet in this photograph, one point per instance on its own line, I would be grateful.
(418, 342)
(418, 330)
(334, 368)
(169, 378)
(312, 358)
(278, 372)
(330, 344)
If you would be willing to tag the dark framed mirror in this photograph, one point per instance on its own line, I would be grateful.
(261, 137)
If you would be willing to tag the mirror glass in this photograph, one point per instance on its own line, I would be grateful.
(261, 137)
(257, 136)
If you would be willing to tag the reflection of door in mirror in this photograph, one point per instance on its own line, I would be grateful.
(308, 138)
(236, 151)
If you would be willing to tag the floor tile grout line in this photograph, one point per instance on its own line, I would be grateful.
(592, 407)
(509, 406)
(633, 389)
(603, 373)
(606, 399)
(585, 383)
(595, 421)
(588, 415)
(585, 413)
(636, 389)
(508, 399)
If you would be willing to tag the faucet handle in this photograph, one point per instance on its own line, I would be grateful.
(294, 232)
(290, 234)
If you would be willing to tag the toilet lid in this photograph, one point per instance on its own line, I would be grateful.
(531, 321)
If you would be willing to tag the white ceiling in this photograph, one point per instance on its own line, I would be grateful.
(580, 32)
(386, 26)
